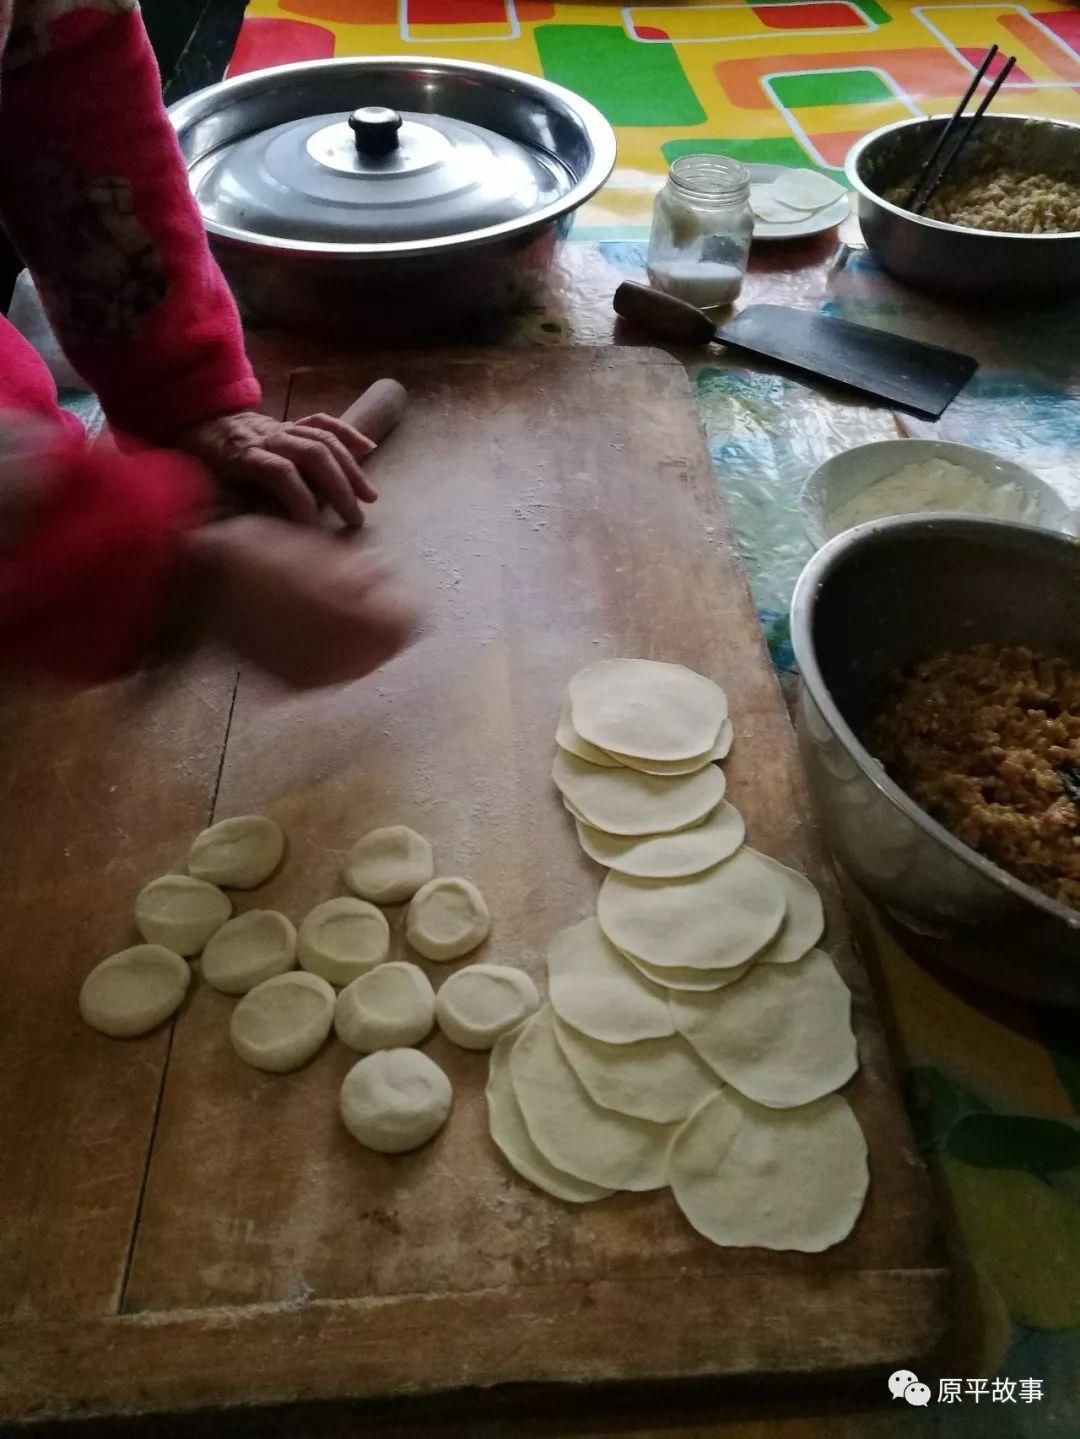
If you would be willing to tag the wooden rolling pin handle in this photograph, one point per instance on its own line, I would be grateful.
(663, 315)
(377, 410)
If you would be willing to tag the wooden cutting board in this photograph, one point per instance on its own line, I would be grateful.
(179, 1230)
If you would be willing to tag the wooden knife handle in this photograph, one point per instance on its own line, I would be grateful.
(663, 315)
(376, 412)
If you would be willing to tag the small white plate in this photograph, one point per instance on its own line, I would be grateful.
(812, 223)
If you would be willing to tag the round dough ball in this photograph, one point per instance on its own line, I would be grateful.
(478, 1005)
(342, 939)
(390, 1008)
(395, 1100)
(180, 912)
(133, 991)
(647, 709)
(389, 865)
(283, 1022)
(626, 802)
(239, 852)
(447, 918)
(249, 949)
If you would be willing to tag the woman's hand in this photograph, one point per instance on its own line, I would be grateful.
(301, 463)
(310, 608)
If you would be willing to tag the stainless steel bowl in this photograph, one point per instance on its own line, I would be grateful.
(952, 259)
(290, 222)
(884, 596)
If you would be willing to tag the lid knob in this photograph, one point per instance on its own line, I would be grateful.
(375, 129)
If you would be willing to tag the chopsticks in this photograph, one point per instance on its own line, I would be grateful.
(954, 136)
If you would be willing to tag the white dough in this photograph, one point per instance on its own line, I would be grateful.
(390, 1008)
(782, 1036)
(804, 917)
(668, 856)
(510, 1134)
(133, 991)
(180, 913)
(774, 1178)
(389, 865)
(719, 751)
(573, 1132)
(658, 1079)
(598, 991)
(239, 852)
(567, 739)
(478, 1005)
(766, 206)
(713, 920)
(395, 1100)
(342, 939)
(283, 1022)
(624, 801)
(806, 189)
(646, 708)
(249, 949)
(697, 980)
(446, 919)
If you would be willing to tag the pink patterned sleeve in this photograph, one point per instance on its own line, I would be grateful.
(94, 194)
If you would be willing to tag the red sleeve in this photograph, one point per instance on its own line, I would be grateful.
(83, 593)
(94, 192)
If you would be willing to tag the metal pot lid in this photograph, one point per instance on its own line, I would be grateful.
(377, 176)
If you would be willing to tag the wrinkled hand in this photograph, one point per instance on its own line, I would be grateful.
(310, 608)
(301, 463)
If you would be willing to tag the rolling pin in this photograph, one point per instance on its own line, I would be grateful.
(377, 411)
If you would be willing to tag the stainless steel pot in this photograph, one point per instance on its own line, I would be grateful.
(385, 194)
(884, 596)
(952, 259)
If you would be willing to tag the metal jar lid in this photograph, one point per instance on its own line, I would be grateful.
(377, 176)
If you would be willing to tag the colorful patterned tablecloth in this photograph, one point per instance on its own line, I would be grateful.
(993, 1085)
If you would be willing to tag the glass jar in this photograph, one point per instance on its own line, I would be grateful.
(701, 231)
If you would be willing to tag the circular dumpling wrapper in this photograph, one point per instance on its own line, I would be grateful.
(767, 207)
(574, 1133)
(646, 708)
(782, 1036)
(249, 949)
(478, 1005)
(806, 190)
(446, 919)
(566, 738)
(624, 801)
(239, 852)
(804, 916)
(599, 992)
(771, 1178)
(698, 981)
(658, 1079)
(180, 913)
(389, 865)
(283, 1022)
(512, 1137)
(132, 992)
(668, 856)
(713, 920)
(341, 939)
(720, 750)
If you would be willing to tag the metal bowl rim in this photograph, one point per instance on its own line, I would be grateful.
(803, 605)
(857, 150)
(599, 131)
